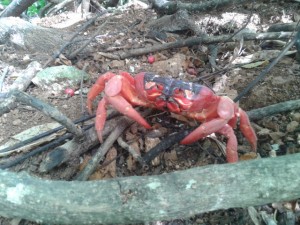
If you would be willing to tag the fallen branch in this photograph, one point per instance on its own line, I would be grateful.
(199, 40)
(170, 7)
(142, 199)
(48, 110)
(73, 149)
(270, 110)
(103, 149)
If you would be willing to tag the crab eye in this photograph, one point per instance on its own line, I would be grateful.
(153, 85)
(188, 94)
(150, 85)
(179, 91)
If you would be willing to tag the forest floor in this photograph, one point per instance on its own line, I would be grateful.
(277, 134)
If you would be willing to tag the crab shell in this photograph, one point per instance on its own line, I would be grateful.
(218, 114)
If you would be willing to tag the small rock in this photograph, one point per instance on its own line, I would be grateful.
(292, 126)
(296, 117)
(276, 135)
(117, 64)
(17, 122)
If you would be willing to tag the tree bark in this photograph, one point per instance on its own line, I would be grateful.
(16, 7)
(135, 199)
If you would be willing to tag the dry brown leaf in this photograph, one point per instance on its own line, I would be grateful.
(150, 143)
(171, 156)
(108, 171)
(248, 156)
(131, 162)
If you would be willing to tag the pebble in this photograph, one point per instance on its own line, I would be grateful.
(17, 122)
(292, 126)
(296, 117)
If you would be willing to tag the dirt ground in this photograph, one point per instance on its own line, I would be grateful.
(277, 134)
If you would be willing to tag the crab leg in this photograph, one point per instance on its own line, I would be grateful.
(100, 118)
(203, 130)
(97, 88)
(225, 112)
(247, 130)
(124, 107)
(231, 147)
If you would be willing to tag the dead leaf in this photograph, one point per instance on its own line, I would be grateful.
(248, 156)
(149, 144)
(131, 162)
(255, 64)
(109, 169)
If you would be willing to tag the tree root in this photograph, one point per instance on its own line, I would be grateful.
(139, 199)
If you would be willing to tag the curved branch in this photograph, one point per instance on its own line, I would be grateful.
(140, 199)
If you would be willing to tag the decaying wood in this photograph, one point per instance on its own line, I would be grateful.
(257, 114)
(140, 199)
(73, 149)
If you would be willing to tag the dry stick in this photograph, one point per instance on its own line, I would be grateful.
(73, 54)
(257, 114)
(94, 162)
(42, 135)
(140, 199)
(47, 110)
(196, 41)
(134, 154)
(268, 68)
(109, 141)
(73, 149)
(7, 101)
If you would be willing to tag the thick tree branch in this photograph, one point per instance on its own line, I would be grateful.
(199, 40)
(139, 199)
(257, 114)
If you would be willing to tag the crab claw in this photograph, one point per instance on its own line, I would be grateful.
(97, 88)
(124, 107)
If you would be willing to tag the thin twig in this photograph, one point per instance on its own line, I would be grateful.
(164, 145)
(84, 27)
(134, 154)
(268, 68)
(94, 162)
(100, 28)
(4, 73)
(42, 135)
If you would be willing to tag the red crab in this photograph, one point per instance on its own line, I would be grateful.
(217, 113)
